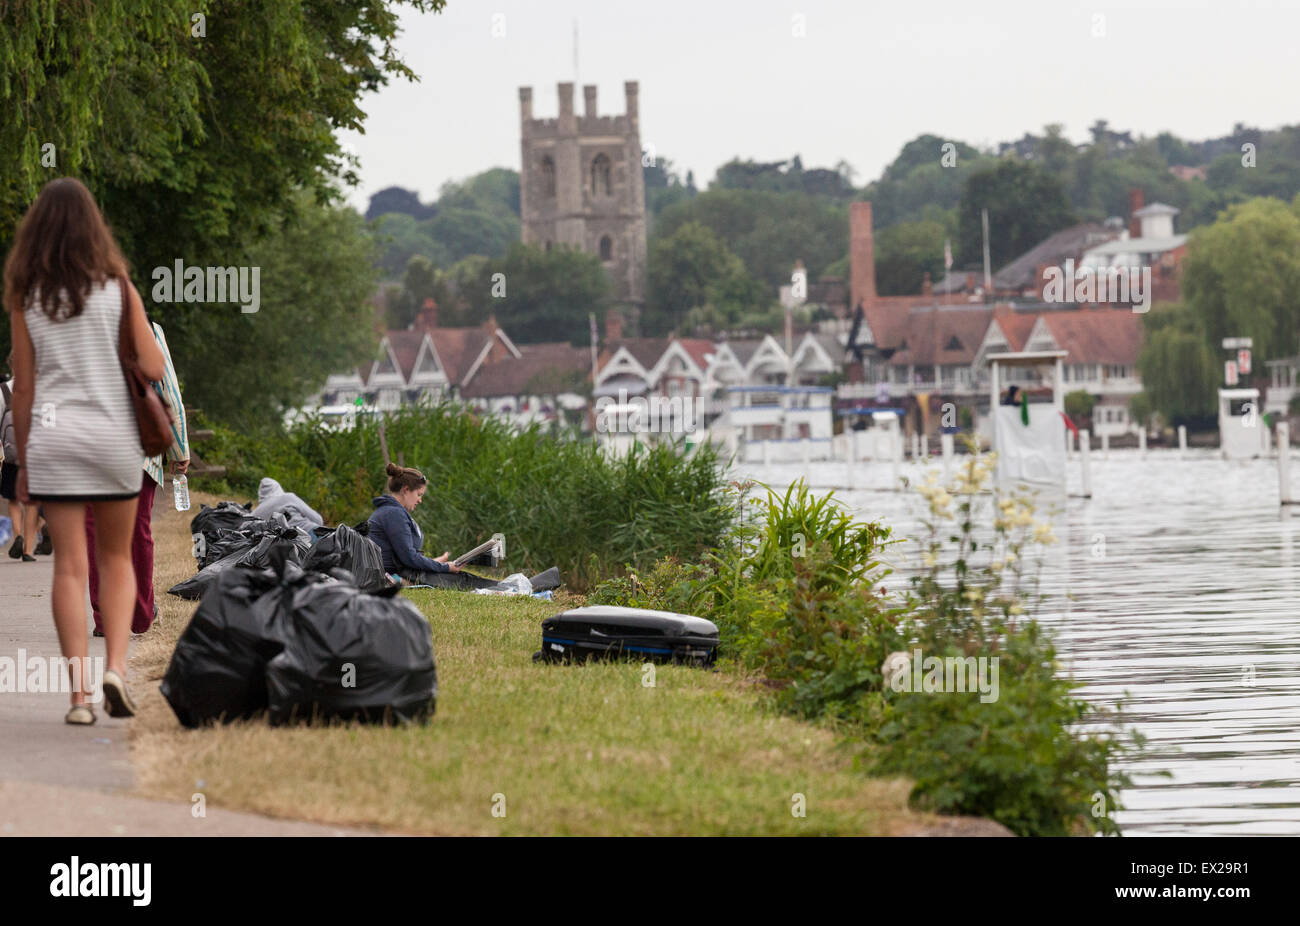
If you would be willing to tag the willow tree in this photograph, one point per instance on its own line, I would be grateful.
(1180, 375)
(1241, 276)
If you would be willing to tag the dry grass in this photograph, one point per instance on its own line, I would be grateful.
(574, 750)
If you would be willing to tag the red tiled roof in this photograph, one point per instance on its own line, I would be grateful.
(406, 348)
(888, 315)
(929, 335)
(699, 350)
(1097, 335)
(458, 348)
(1016, 327)
(647, 351)
(541, 367)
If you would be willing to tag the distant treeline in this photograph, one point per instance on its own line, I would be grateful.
(718, 256)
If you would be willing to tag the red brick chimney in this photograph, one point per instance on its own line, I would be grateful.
(1040, 279)
(613, 326)
(427, 320)
(862, 257)
(1136, 200)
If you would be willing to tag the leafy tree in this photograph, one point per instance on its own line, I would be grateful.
(664, 187)
(419, 282)
(1176, 151)
(924, 151)
(1025, 204)
(1241, 275)
(495, 190)
(1140, 409)
(399, 237)
(399, 200)
(692, 268)
(919, 180)
(316, 278)
(539, 295)
(905, 253)
(1054, 152)
(785, 176)
(461, 232)
(196, 145)
(1179, 372)
(767, 231)
(1275, 171)
(1079, 405)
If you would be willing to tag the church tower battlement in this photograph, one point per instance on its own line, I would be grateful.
(581, 185)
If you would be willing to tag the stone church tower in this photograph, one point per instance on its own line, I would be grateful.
(581, 186)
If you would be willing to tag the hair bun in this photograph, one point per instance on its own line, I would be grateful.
(393, 469)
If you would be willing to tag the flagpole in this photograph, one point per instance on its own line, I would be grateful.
(988, 277)
(947, 269)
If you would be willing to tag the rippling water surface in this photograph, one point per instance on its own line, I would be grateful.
(1174, 587)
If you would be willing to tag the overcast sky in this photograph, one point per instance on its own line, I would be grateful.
(726, 78)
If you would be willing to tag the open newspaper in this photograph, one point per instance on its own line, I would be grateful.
(494, 549)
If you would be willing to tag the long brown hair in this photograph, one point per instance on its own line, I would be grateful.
(403, 477)
(62, 247)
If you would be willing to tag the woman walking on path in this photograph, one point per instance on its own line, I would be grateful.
(64, 291)
(178, 454)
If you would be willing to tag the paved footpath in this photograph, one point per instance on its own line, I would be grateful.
(61, 780)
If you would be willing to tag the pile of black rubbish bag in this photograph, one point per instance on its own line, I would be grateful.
(302, 625)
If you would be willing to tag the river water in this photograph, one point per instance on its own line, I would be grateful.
(1173, 588)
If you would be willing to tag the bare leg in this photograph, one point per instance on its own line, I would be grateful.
(114, 525)
(29, 528)
(67, 525)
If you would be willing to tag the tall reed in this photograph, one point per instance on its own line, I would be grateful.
(559, 500)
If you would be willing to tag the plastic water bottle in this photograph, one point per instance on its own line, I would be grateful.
(181, 492)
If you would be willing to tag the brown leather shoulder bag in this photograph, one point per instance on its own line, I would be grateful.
(151, 412)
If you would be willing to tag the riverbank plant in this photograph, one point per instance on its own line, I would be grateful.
(803, 598)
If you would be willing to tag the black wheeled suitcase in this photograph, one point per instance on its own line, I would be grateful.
(612, 632)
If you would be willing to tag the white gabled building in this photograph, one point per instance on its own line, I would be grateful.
(387, 381)
(817, 356)
(769, 365)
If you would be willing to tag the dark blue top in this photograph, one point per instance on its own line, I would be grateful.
(399, 537)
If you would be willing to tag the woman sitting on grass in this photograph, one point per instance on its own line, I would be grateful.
(400, 538)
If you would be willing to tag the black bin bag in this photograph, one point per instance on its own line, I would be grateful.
(212, 527)
(277, 540)
(344, 548)
(351, 655)
(231, 541)
(217, 671)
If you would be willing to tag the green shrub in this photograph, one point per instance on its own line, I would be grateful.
(749, 581)
(1023, 759)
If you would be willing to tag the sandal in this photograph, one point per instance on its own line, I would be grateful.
(80, 715)
(120, 703)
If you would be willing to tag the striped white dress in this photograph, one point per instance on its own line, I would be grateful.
(84, 444)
